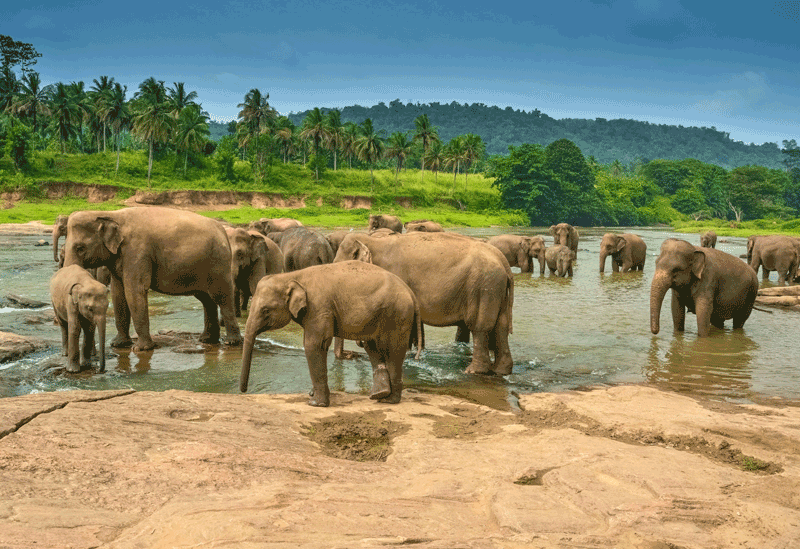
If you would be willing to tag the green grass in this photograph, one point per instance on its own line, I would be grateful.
(745, 228)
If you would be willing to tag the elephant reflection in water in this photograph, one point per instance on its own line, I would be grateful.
(720, 365)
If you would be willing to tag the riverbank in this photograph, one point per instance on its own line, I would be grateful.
(614, 467)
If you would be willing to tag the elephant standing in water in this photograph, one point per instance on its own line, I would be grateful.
(627, 252)
(351, 300)
(708, 240)
(566, 235)
(59, 230)
(174, 252)
(253, 256)
(303, 248)
(774, 253)
(458, 281)
(383, 221)
(559, 260)
(520, 251)
(710, 283)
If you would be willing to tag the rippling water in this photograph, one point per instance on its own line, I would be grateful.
(592, 329)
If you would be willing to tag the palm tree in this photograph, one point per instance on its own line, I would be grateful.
(8, 87)
(284, 136)
(117, 114)
(369, 147)
(426, 134)
(192, 131)
(32, 98)
(315, 131)
(99, 97)
(334, 124)
(64, 113)
(255, 117)
(435, 157)
(399, 148)
(179, 98)
(78, 91)
(454, 154)
(350, 134)
(474, 149)
(152, 122)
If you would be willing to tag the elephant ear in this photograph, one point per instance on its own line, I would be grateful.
(361, 252)
(74, 291)
(296, 298)
(698, 263)
(110, 233)
(621, 243)
(552, 230)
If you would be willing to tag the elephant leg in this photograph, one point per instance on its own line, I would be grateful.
(678, 314)
(741, 316)
(704, 312)
(222, 296)
(122, 315)
(237, 295)
(381, 380)
(210, 321)
(87, 326)
(136, 295)
(614, 265)
(717, 321)
(481, 364)
(498, 338)
(462, 332)
(73, 360)
(64, 338)
(395, 365)
(316, 356)
(338, 347)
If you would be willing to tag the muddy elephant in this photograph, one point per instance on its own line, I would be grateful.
(627, 252)
(424, 226)
(710, 283)
(266, 225)
(520, 251)
(775, 253)
(472, 286)
(708, 240)
(559, 260)
(566, 235)
(80, 303)
(174, 252)
(253, 256)
(383, 221)
(351, 300)
(303, 248)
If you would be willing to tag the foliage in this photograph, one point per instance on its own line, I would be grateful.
(18, 145)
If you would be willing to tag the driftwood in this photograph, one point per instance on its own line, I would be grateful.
(780, 291)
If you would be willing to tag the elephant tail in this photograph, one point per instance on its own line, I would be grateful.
(510, 303)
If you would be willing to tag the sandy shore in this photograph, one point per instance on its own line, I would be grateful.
(615, 467)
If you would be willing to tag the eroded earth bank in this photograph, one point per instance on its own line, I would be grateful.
(628, 466)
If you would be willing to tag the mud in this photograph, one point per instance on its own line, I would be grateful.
(356, 437)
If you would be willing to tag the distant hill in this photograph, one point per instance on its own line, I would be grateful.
(606, 140)
(218, 130)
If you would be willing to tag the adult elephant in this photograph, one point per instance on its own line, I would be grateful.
(775, 253)
(423, 226)
(174, 252)
(627, 252)
(710, 283)
(458, 282)
(253, 256)
(708, 240)
(566, 235)
(520, 251)
(303, 248)
(383, 221)
(266, 225)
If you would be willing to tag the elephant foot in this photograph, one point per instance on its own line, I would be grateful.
(347, 355)
(478, 368)
(394, 398)
(143, 346)
(122, 341)
(73, 367)
(503, 367)
(234, 341)
(381, 386)
(206, 338)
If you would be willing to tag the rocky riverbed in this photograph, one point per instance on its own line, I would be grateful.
(627, 466)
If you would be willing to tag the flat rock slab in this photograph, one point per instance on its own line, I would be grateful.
(14, 347)
(627, 466)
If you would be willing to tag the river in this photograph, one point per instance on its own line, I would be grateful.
(589, 330)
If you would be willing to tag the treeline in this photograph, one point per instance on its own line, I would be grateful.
(628, 141)
(557, 183)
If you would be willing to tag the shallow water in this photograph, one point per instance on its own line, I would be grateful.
(592, 329)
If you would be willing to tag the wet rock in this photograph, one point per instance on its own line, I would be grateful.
(42, 242)
(14, 300)
(14, 347)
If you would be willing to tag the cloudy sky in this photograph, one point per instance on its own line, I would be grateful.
(698, 63)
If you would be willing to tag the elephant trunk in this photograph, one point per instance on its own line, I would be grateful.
(658, 290)
(101, 331)
(247, 352)
(602, 261)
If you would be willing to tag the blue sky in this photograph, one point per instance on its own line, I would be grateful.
(735, 66)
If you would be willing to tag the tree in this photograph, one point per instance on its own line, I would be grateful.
(350, 134)
(522, 178)
(100, 94)
(426, 134)
(454, 154)
(571, 195)
(17, 53)
(255, 118)
(333, 122)
(285, 137)
(192, 131)
(754, 192)
(8, 88)
(153, 121)
(399, 147)
(435, 157)
(370, 147)
(31, 99)
(118, 116)
(179, 98)
(315, 131)
(474, 149)
(64, 113)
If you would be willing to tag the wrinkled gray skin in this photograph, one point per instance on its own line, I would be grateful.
(566, 235)
(382, 221)
(559, 260)
(708, 240)
(253, 256)
(627, 252)
(775, 253)
(303, 248)
(277, 225)
(714, 285)
(471, 286)
(171, 251)
(424, 226)
(520, 251)
(80, 303)
(351, 300)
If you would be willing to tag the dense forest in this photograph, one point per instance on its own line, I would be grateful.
(605, 140)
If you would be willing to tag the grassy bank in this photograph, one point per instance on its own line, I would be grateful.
(744, 228)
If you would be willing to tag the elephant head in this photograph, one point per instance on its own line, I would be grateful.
(93, 240)
(375, 222)
(678, 266)
(248, 252)
(59, 230)
(277, 301)
(751, 241)
(612, 244)
(92, 302)
(564, 259)
(531, 247)
(565, 234)
(353, 249)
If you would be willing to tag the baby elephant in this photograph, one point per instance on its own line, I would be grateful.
(559, 260)
(80, 303)
(351, 300)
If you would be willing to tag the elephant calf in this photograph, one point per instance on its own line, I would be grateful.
(80, 303)
(351, 300)
(559, 260)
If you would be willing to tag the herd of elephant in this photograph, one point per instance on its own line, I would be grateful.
(373, 286)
